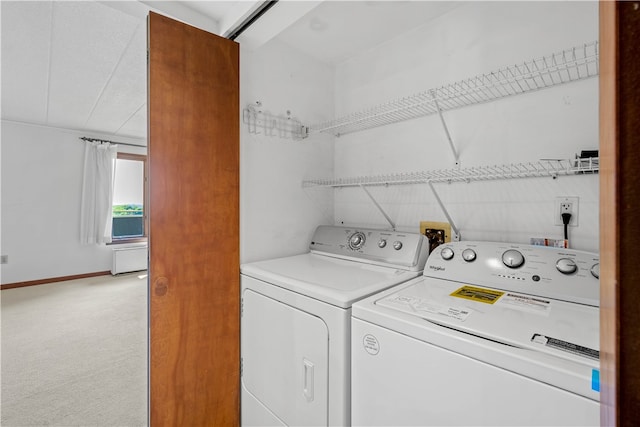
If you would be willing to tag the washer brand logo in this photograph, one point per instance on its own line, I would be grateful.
(437, 268)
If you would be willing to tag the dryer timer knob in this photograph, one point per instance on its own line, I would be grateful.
(397, 245)
(356, 240)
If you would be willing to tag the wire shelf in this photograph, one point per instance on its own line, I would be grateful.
(542, 168)
(569, 65)
(261, 122)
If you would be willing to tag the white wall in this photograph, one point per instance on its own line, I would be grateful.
(42, 170)
(41, 188)
(553, 123)
(278, 216)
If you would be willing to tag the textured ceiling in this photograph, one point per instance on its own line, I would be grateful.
(81, 65)
(335, 31)
(74, 65)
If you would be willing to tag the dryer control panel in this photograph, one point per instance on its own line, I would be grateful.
(402, 250)
(557, 273)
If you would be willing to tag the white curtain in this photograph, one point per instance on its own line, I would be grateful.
(97, 192)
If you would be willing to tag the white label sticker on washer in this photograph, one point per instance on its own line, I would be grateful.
(421, 305)
(526, 302)
(371, 344)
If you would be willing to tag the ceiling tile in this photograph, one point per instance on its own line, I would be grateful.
(126, 90)
(136, 126)
(88, 42)
(26, 31)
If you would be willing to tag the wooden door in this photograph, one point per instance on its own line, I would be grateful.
(619, 209)
(193, 226)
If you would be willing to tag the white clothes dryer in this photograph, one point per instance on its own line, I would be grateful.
(491, 334)
(295, 325)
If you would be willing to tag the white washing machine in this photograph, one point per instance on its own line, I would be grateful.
(296, 316)
(491, 334)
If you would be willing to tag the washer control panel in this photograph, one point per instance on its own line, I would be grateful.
(555, 273)
(388, 248)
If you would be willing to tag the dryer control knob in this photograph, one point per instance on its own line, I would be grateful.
(469, 255)
(397, 245)
(512, 258)
(595, 270)
(382, 243)
(446, 253)
(356, 240)
(566, 266)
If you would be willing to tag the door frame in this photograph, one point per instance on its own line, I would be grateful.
(619, 205)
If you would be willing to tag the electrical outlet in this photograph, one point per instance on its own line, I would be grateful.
(566, 204)
(437, 233)
(4, 259)
(566, 207)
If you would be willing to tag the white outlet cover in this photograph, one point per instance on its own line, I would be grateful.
(574, 215)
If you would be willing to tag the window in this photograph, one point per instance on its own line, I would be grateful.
(129, 199)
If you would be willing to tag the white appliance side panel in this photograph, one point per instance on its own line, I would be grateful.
(285, 360)
(398, 380)
(255, 413)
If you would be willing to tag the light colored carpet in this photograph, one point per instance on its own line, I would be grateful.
(75, 353)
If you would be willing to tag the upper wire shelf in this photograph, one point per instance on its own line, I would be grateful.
(542, 168)
(569, 65)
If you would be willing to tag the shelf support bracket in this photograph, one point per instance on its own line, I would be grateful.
(456, 231)
(446, 129)
(393, 225)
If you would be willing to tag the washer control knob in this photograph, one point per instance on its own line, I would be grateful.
(512, 258)
(446, 253)
(356, 240)
(469, 255)
(397, 245)
(566, 266)
(382, 243)
(595, 270)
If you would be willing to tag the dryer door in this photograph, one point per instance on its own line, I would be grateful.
(284, 360)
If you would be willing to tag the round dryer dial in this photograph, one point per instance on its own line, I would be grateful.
(356, 240)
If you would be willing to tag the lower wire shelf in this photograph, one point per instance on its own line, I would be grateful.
(542, 168)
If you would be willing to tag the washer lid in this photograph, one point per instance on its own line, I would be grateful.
(332, 280)
(563, 329)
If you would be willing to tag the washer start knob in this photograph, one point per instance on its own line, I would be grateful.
(397, 245)
(512, 258)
